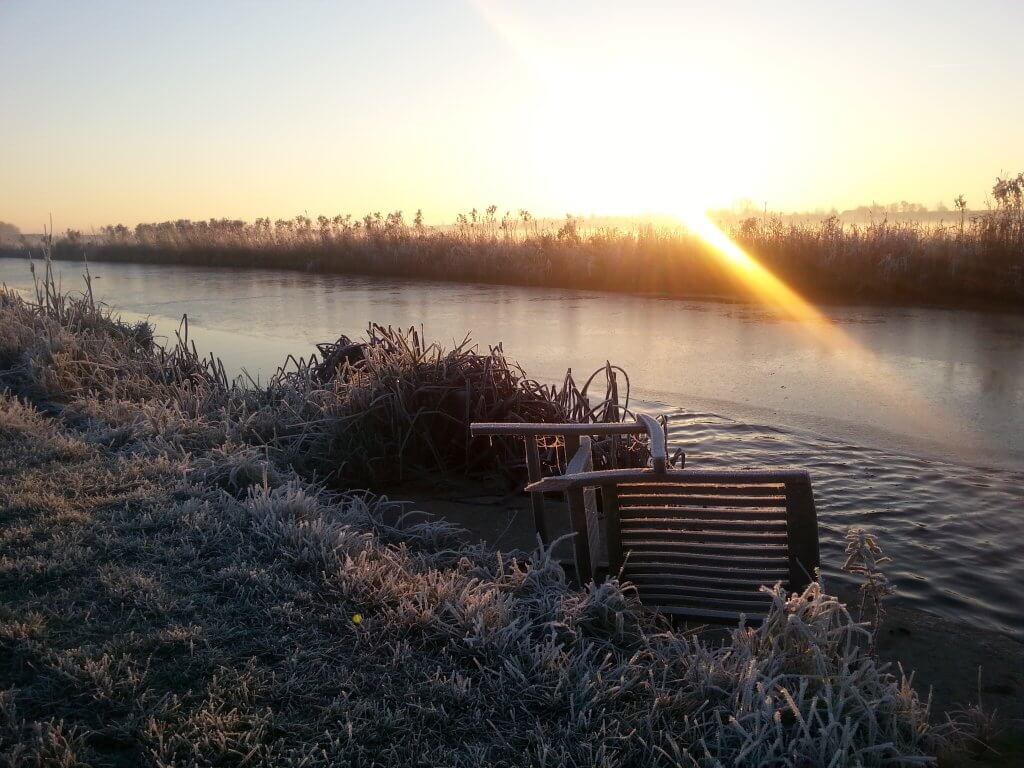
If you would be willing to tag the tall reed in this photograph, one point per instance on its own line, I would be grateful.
(972, 260)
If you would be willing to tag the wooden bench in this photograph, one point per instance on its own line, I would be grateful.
(589, 554)
(699, 545)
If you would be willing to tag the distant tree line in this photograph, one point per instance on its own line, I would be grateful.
(968, 257)
(9, 234)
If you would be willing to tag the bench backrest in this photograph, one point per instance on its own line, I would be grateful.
(701, 544)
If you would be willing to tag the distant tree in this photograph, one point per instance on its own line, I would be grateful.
(1009, 192)
(745, 207)
(569, 231)
(961, 205)
(118, 233)
(9, 234)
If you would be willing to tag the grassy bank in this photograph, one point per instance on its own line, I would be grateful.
(180, 587)
(968, 260)
(372, 412)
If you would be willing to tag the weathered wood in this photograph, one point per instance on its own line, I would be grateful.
(595, 532)
(570, 435)
(705, 501)
(748, 586)
(642, 545)
(698, 544)
(696, 489)
(643, 425)
(686, 535)
(662, 595)
(706, 555)
(711, 615)
(639, 577)
(706, 523)
(578, 458)
(587, 526)
(711, 569)
(533, 472)
(765, 551)
(675, 477)
(702, 591)
(613, 537)
(665, 599)
(802, 532)
(496, 429)
(688, 556)
(760, 517)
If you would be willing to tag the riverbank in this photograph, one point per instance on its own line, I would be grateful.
(960, 371)
(149, 615)
(180, 585)
(947, 656)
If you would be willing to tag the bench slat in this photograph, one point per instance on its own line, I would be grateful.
(710, 523)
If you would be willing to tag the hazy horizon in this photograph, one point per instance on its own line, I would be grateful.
(737, 212)
(116, 112)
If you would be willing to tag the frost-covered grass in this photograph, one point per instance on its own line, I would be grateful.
(395, 406)
(174, 592)
(151, 616)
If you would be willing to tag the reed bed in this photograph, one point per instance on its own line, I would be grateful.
(975, 258)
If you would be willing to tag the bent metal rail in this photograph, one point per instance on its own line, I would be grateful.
(576, 461)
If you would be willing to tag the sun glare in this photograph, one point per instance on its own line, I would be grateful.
(786, 303)
(629, 131)
(768, 288)
(623, 142)
(619, 130)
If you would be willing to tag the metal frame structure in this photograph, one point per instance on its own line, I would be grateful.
(701, 544)
(695, 544)
(579, 458)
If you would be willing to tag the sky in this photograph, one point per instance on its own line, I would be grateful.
(120, 112)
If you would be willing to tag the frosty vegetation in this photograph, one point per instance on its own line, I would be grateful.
(178, 588)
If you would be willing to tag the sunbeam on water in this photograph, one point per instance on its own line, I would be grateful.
(786, 303)
(674, 150)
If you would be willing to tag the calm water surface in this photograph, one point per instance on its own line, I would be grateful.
(909, 420)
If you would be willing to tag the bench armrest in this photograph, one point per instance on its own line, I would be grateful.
(615, 476)
(656, 438)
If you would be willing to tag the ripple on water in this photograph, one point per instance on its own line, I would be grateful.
(953, 531)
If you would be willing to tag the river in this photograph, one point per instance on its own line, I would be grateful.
(910, 420)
